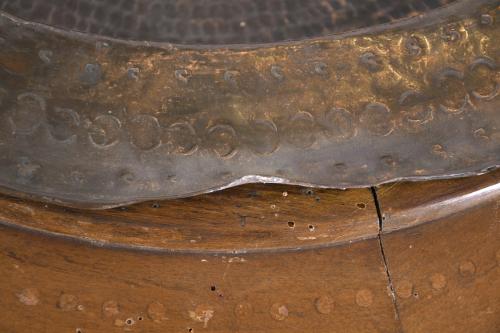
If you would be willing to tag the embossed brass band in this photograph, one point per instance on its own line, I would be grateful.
(96, 122)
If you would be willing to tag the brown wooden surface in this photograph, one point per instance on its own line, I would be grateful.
(259, 259)
(445, 270)
(244, 219)
(248, 293)
(410, 204)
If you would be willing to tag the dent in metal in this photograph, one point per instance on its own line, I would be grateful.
(415, 102)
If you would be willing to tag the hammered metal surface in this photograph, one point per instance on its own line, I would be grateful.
(215, 21)
(95, 122)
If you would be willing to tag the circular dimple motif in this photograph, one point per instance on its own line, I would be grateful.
(486, 19)
(67, 302)
(223, 140)
(300, 131)
(483, 79)
(451, 33)
(29, 296)
(265, 138)
(371, 61)
(104, 131)
(63, 124)
(126, 176)
(76, 177)
(181, 138)
(28, 114)
(277, 72)
(91, 75)
(110, 309)
(415, 46)
(144, 132)
(438, 281)
(157, 311)
(202, 313)
(279, 311)
(26, 170)
(389, 161)
(182, 75)
(45, 56)
(321, 68)
(324, 304)
(133, 73)
(338, 123)
(404, 289)
(438, 150)
(451, 90)
(467, 268)
(243, 310)
(376, 118)
(231, 77)
(481, 134)
(364, 298)
(416, 112)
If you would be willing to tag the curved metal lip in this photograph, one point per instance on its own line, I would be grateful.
(249, 179)
(458, 9)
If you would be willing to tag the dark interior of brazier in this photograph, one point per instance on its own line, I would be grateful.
(212, 22)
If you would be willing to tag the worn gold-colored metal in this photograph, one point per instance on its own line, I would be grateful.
(96, 122)
(93, 122)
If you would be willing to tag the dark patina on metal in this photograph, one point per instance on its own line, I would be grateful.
(92, 121)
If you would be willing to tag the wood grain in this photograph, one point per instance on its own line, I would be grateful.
(446, 268)
(337, 289)
(233, 261)
(244, 219)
